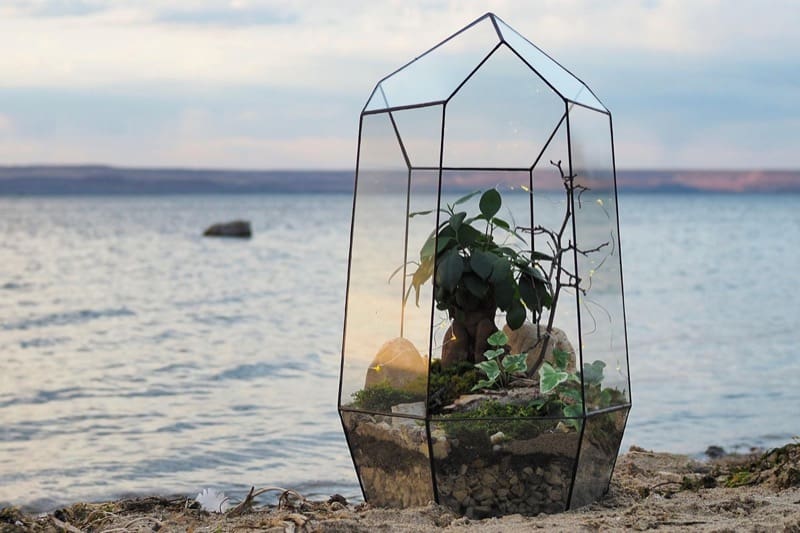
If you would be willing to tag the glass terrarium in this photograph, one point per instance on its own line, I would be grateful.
(484, 360)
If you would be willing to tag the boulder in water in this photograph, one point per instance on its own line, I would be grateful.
(236, 228)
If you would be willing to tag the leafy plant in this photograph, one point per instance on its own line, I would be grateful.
(477, 271)
(565, 387)
(499, 371)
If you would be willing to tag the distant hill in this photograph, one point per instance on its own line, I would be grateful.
(98, 179)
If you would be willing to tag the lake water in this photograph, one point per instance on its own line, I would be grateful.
(139, 357)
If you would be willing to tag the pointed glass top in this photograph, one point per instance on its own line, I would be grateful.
(436, 75)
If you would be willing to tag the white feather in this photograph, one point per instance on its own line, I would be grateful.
(212, 501)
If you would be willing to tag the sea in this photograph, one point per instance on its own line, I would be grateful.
(138, 357)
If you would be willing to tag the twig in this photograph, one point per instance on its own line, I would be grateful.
(65, 525)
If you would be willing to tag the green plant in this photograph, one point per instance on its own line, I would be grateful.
(499, 372)
(565, 387)
(476, 273)
(382, 397)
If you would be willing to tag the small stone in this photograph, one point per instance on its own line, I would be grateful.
(497, 448)
(497, 438)
(527, 471)
(463, 469)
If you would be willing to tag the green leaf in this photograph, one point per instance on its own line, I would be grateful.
(500, 223)
(427, 248)
(593, 373)
(539, 256)
(481, 263)
(482, 384)
(490, 368)
(561, 358)
(516, 364)
(449, 270)
(572, 394)
(493, 354)
(550, 378)
(466, 198)
(516, 315)
(467, 235)
(498, 338)
(573, 411)
(418, 213)
(528, 294)
(490, 203)
(443, 243)
(476, 286)
(504, 293)
(457, 219)
(501, 269)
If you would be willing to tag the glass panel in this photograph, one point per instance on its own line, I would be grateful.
(380, 368)
(471, 309)
(435, 75)
(550, 210)
(420, 130)
(602, 436)
(502, 116)
(496, 467)
(419, 302)
(391, 458)
(565, 83)
(601, 310)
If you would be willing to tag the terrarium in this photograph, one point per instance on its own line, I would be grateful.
(484, 359)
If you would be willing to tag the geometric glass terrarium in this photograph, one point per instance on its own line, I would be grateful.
(484, 359)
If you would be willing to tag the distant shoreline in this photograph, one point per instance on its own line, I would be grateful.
(44, 180)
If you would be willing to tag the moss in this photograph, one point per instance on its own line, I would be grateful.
(382, 397)
(516, 421)
(739, 478)
(447, 384)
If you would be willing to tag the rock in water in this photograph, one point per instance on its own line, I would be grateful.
(529, 338)
(236, 228)
(397, 363)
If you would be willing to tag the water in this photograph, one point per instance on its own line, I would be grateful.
(139, 357)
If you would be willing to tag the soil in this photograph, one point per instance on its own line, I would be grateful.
(649, 491)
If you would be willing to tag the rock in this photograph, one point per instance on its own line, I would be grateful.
(397, 363)
(529, 338)
(497, 438)
(235, 228)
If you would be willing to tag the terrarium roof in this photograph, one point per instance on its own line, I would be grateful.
(436, 76)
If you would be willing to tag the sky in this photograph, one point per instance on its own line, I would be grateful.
(279, 84)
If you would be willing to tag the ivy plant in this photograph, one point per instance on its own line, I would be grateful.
(499, 371)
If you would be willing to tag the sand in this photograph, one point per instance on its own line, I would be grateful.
(649, 491)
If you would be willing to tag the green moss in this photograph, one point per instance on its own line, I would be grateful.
(739, 478)
(382, 397)
(447, 384)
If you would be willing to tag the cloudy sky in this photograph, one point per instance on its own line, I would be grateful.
(280, 83)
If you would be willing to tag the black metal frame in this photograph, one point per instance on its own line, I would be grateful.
(564, 121)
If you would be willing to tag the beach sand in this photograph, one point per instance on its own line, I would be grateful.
(649, 491)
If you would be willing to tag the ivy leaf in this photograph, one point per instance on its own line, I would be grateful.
(561, 358)
(550, 378)
(490, 203)
(493, 354)
(498, 338)
(449, 270)
(573, 411)
(593, 373)
(482, 384)
(490, 368)
(572, 394)
(515, 364)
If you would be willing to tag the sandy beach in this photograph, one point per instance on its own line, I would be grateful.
(649, 491)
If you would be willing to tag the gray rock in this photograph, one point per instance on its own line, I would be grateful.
(235, 228)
